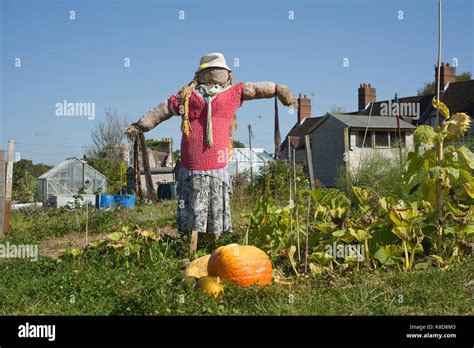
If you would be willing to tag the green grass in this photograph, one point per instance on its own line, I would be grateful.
(99, 285)
(154, 288)
(36, 225)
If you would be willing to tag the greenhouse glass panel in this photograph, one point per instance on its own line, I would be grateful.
(67, 178)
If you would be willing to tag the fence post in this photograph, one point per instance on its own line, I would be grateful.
(347, 164)
(309, 157)
(146, 168)
(2, 191)
(8, 185)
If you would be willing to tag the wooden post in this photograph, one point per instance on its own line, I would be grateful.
(251, 154)
(2, 191)
(8, 185)
(146, 167)
(194, 243)
(309, 158)
(347, 167)
(399, 134)
(291, 188)
(136, 170)
(439, 146)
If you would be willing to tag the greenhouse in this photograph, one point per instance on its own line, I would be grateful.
(244, 158)
(58, 185)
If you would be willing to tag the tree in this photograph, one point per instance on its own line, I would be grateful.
(338, 109)
(176, 155)
(108, 151)
(25, 174)
(430, 87)
(108, 137)
(153, 144)
(238, 144)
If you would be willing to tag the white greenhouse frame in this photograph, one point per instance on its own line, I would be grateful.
(67, 178)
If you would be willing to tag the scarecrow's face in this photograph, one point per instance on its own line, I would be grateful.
(217, 76)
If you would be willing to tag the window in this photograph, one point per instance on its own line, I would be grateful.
(381, 139)
(394, 139)
(360, 139)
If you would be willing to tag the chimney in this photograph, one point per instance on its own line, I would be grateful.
(366, 95)
(447, 74)
(304, 108)
(166, 145)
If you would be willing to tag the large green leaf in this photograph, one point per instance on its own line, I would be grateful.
(469, 189)
(389, 255)
(364, 196)
(404, 216)
(359, 234)
(467, 155)
(116, 236)
(98, 244)
(413, 167)
(321, 257)
(402, 233)
(330, 198)
(468, 229)
(428, 190)
(325, 227)
(460, 210)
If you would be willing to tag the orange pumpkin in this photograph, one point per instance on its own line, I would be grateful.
(244, 265)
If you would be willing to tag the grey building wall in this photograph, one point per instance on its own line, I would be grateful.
(300, 156)
(327, 145)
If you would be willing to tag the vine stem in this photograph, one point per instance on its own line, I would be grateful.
(412, 257)
(405, 249)
(366, 246)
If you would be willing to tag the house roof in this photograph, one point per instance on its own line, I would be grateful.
(297, 133)
(363, 121)
(376, 108)
(458, 97)
(156, 159)
(303, 128)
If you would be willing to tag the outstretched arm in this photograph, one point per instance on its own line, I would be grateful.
(151, 119)
(264, 90)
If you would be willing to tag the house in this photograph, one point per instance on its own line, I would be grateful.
(59, 185)
(335, 137)
(337, 141)
(161, 163)
(244, 158)
(458, 97)
(296, 136)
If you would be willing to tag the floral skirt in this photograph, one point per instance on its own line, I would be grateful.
(203, 205)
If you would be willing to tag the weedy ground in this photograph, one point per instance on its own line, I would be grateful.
(98, 286)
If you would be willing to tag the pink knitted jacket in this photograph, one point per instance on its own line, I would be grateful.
(195, 154)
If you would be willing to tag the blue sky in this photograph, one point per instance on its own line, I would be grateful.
(83, 60)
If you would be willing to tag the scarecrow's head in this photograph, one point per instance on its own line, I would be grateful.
(213, 69)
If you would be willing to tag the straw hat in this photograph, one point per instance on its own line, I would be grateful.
(213, 60)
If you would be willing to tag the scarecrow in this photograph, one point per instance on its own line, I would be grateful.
(207, 106)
